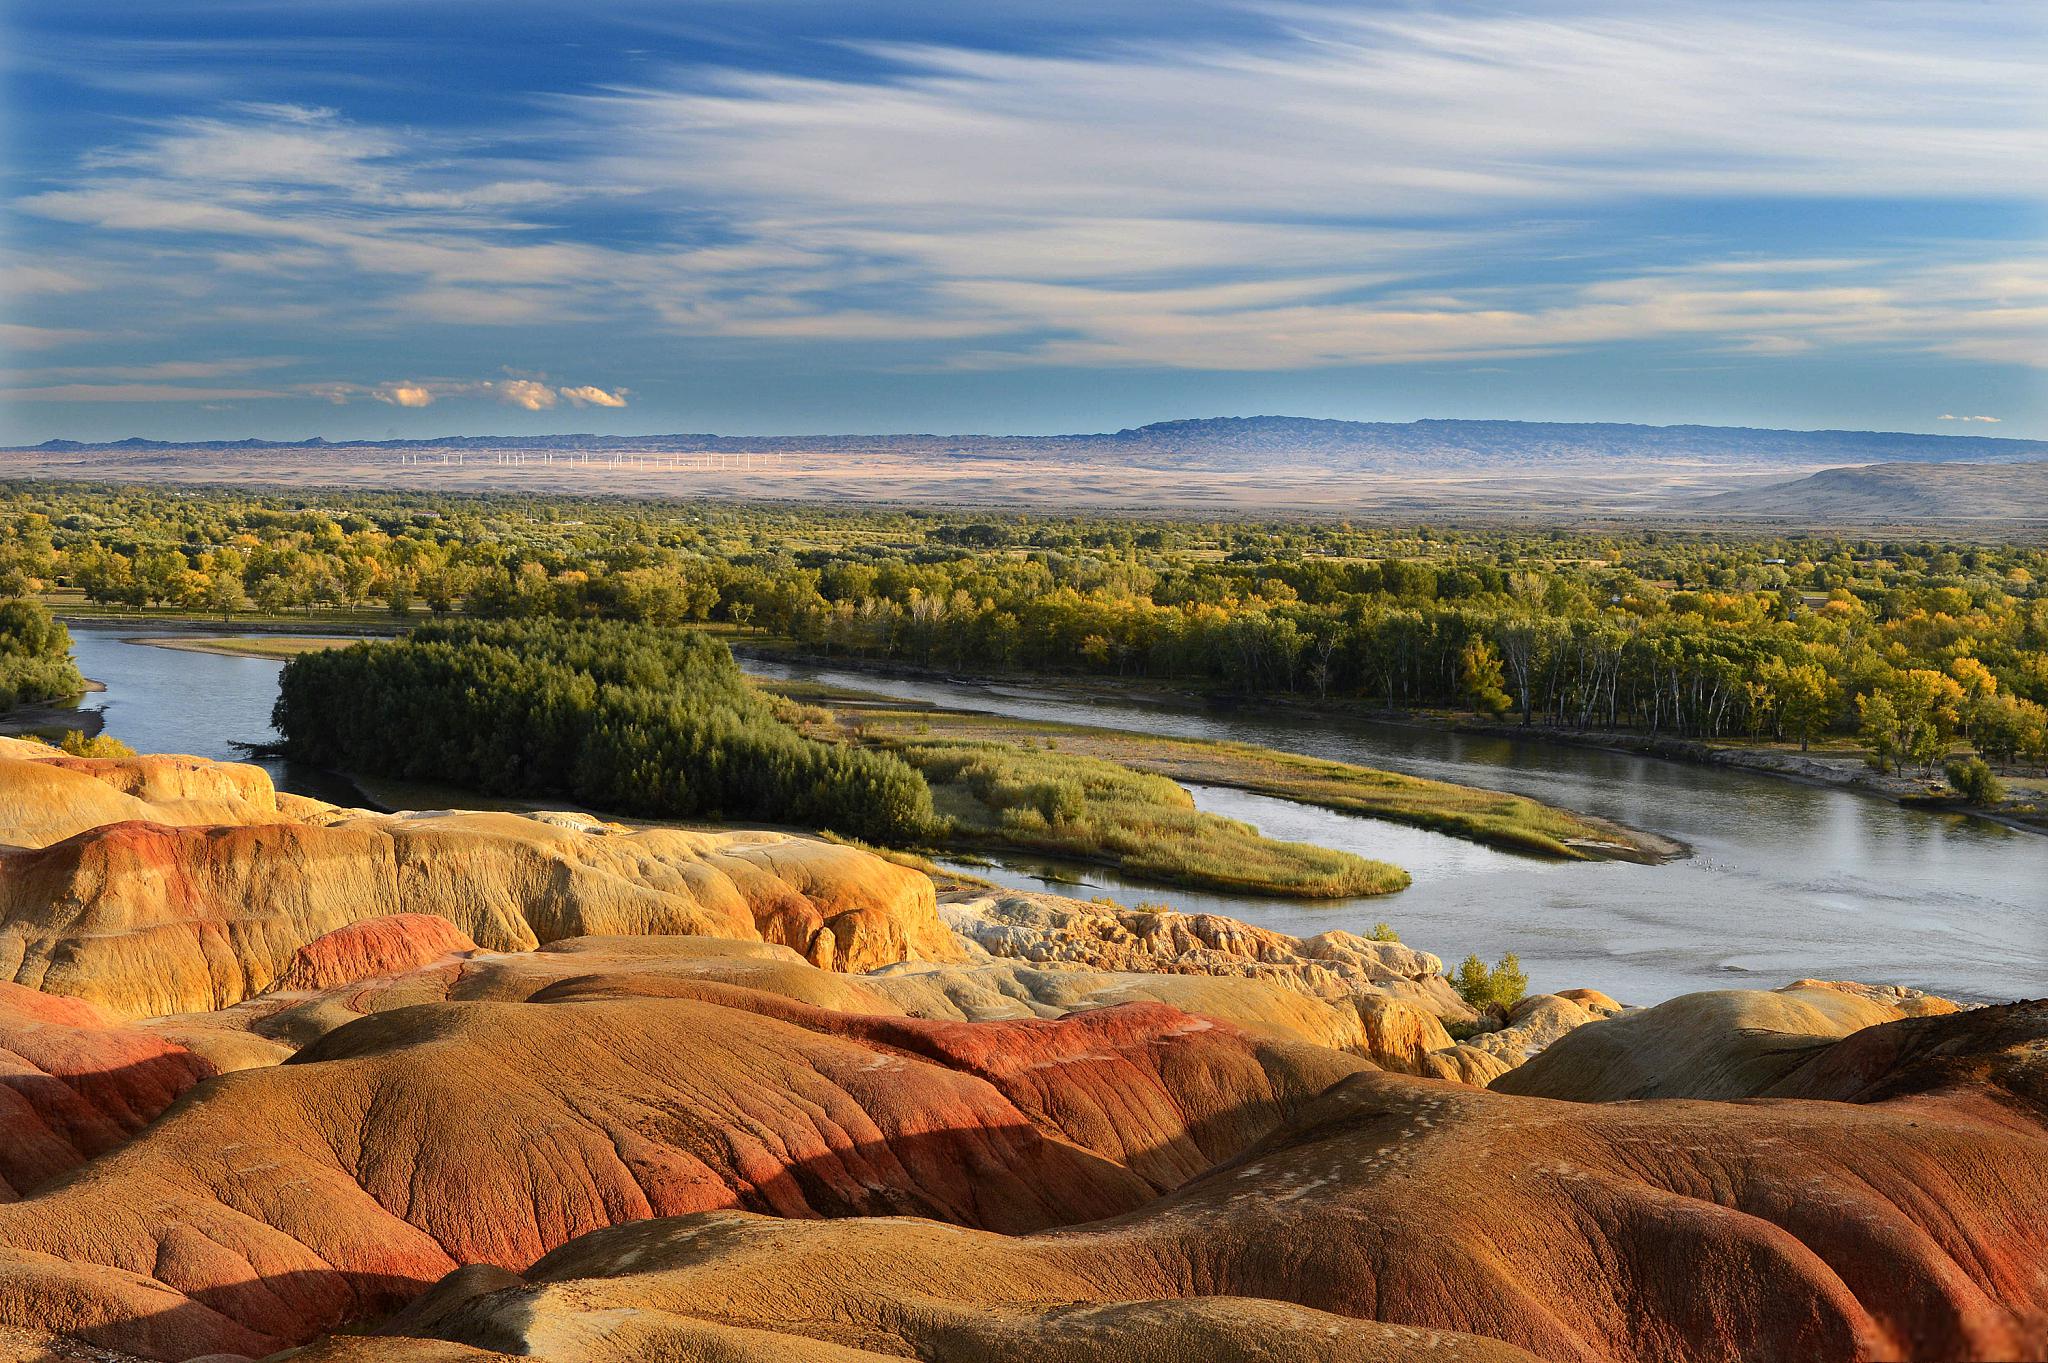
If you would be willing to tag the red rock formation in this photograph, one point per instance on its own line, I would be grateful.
(375, 946)
(47, 796)
(1906, 1226)
(286, 1199)
(74, 1085)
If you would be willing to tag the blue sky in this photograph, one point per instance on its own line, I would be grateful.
(227, 218)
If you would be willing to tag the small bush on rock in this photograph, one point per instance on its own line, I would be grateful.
(1503, 984)
(80, 744)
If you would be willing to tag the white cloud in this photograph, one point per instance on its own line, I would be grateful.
(21, 280)
(1946, 416)
(530, 394)
(404, 394)
(163, 369)
(266, 145)
(526, 393)
(1381, 116)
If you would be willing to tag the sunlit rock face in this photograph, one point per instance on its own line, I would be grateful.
(1726, 1043)
(1051, 930)
(137, 893)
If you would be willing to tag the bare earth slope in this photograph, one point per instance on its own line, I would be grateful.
(1902, 1227)
(273, 1202)
(1725, 1043)
(74, 1084)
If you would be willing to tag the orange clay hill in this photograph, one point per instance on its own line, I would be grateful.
(280, 1076)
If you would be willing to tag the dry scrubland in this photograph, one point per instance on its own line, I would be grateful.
(885, 479)
(1503, 468)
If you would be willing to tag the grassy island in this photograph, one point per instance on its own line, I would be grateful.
(1496, 818)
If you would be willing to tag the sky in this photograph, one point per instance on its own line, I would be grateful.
(399, 218)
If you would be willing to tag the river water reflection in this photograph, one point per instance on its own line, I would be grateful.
(1786, 879)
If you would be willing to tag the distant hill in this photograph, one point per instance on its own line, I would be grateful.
(1897, 493)
(1481, 444)
(1252, 444)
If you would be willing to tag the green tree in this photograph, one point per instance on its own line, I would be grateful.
(1878, 730)
(80, 744)
(224, 593)
(1806, 700)
(1971, 778)
(2004, 727)
(1481, 680)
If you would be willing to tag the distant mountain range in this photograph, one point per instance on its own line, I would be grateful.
(1896, 493)
(1249, 444)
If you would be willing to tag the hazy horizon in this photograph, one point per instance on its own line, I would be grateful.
(430, 436)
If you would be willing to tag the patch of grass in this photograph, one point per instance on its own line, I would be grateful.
(1493, 817)
(1094, 809)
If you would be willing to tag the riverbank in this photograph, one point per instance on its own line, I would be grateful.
(274, 647)
(2027, 813)
(1843, 769)
(51, 716)
(1493, 818)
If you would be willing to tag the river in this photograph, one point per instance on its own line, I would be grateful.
(1785, 880)
(175, 700)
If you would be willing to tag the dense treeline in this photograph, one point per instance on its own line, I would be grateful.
(1913, 644)
(35, 656)
(616, 716)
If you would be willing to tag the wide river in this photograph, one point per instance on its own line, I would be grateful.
(1785, 879)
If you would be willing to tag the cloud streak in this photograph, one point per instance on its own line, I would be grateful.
(1355, 188)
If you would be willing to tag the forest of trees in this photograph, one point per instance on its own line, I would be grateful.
(1915, 645)
(35, 656)
(616, 716)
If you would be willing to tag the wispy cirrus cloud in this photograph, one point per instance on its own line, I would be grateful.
(136, 392)
(1353, 187)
